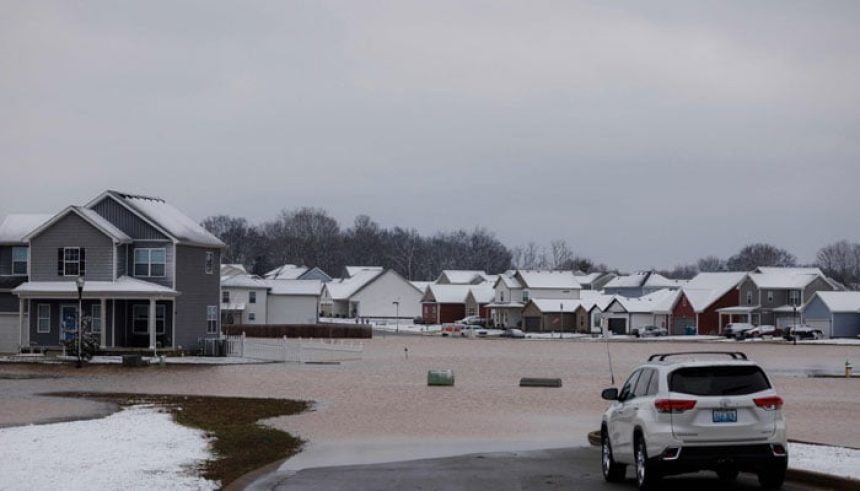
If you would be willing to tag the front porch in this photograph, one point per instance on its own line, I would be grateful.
(129, 314)
(749, 314)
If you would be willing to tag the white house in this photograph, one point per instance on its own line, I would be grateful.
(249, 300)
(371, 293)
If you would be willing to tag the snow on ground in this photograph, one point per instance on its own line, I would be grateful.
(117, 360)
(138, 448)
(836, 461)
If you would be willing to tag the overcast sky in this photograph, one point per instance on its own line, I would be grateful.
(645, 134)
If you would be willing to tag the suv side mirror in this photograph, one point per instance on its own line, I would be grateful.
(610, 394)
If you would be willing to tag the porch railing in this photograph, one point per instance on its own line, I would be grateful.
(295, 350)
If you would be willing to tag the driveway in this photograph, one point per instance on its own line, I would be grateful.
(572, 468)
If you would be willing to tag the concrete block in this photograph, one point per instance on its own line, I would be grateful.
(444, 376)
(540, 382)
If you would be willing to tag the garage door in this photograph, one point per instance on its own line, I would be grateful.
(822, 325)
(618, 326)
(9, 333)
(532, 323)
(679, 325)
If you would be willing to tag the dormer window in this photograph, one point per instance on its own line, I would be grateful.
(19, 261)
(149, 263)
(525, 296)
(71, 261)
(749, 298)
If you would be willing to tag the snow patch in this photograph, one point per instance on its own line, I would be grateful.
(138, 448)
(836, 461)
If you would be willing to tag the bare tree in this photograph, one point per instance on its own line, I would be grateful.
(755, 255)
(841, 261)
(560, 255)
(711, 264)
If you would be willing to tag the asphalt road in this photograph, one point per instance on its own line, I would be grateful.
(574, 468)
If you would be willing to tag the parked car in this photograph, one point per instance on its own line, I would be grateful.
(469, 330)
(737, 330)
(802, 331)
(647, 331)
(473, 320)
(418, 320)
(761, 331)
(689, 412)
(513, 334)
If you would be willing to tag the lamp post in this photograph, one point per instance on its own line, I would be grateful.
(79, 281)
(396, 316)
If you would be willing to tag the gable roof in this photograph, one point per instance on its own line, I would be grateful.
(243, 281)
(648, 279)
(785, 278)
(483, 293)
(354, 270)
(508, 280)
(295, 287)
(286, 272)
(446, 293)
(660, 301)
(344, 288)
(591, 299)
(553, 305)
(16, 226)
(461, 276)
(164, 217)
(840, 301)
(548, 279)
(89, 216)
(315, 273)
(706, 288)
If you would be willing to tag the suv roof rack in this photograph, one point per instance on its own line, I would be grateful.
(735, 355)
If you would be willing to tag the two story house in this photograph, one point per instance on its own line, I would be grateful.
(151, 275)
(640, 284)
(514, 289)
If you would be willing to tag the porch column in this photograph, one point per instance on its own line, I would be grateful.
(151, 320)
(23, 337)
(103, 321)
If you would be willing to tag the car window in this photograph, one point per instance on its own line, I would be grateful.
(718, 380)
(654, 386)
(643, 382)
(627, 389)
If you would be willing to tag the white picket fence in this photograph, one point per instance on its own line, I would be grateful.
(294, 350)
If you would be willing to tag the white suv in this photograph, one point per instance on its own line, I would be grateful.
(694, 411)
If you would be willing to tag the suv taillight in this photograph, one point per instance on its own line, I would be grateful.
(674, 405)
(771, 403)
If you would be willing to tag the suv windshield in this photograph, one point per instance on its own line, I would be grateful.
(718, 380)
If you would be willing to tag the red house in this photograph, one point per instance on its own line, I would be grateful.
(700, 299)
(444, 303)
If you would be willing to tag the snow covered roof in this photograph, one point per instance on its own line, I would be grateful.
(547, 305)
(785, 278)
(15, 227)
(548, 279)
(295, 287)
(592, 298)
(354, 270)
(660, 301)
(244, 281)
(627, 281)
(163, 215)
(482, 293)
(461, 277)
(656, 280)
(706, 288)
(88, 216)
(587, 279)
(286, 272)
(841, 301)
(123, 286)
(446, 293)
(228, 270)
(344, 288)
(421, 285)
(509, 281)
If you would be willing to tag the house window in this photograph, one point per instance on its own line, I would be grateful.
(252, 316)
(749, 297)
(140, 319)
(501, 296)
(794, 297)
(212, 319)
(71, 261)
(770, 296)
(19, 261)
(96, 318)
(210, 262)
(225, 296)
(525, 295)
(149, 263)
(44, 323)
(252, 297)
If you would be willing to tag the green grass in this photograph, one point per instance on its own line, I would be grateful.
(240, 444)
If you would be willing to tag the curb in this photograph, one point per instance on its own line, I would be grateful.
(813, 478)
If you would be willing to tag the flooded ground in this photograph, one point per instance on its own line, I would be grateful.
(380, 409)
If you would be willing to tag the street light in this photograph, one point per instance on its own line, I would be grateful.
(396, 316)
(79, 281)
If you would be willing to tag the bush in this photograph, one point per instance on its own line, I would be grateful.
(89, 345)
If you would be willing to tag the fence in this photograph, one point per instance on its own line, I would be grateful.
(305, 331)
(295, 350)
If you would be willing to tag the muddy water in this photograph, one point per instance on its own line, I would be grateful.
(380, 409)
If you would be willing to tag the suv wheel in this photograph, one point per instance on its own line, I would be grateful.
(647, 477)
(612, 471)
(772, 477)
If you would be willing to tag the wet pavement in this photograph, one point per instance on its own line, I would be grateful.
(380, 409)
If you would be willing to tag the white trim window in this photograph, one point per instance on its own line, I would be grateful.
(140, 319)
(749, 297)
(43, 324)
(770, 296)
(252, 297)
(209, 265)
(150, 263)
(252, 316)
(525, 296)
(96, 318)
(794, 297)
(225, 296)
(212, 319)
(19, 261)
(71, 261)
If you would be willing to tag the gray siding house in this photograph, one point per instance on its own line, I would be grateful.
(151, 276)
(836, 314)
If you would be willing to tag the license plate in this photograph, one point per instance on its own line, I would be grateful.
(725, 415)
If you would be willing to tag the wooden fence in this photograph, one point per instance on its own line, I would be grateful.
(305, 331)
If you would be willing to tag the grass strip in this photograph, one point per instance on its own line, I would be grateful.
(239, 444)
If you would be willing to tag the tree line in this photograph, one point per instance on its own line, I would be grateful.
(311, 237)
